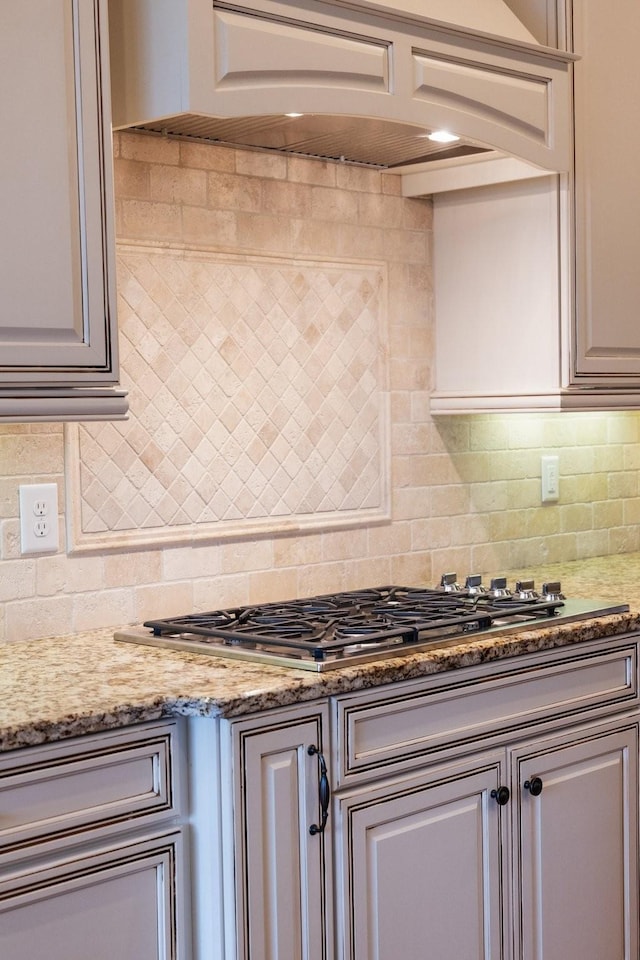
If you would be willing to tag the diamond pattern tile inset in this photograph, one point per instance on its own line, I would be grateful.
(258, 393)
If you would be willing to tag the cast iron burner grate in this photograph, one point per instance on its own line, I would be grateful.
(341, 625)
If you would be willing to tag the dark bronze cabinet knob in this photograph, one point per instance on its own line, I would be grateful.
(501, 795)
(534, 786)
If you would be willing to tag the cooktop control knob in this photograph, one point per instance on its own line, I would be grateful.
(473, 585)
(552, 591)
(449, 582)
(525, 590)
(498, 588)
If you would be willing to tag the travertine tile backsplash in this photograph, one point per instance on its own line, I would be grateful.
(167, 512)
(258, 386)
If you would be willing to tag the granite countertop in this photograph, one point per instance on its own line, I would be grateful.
(66, 686)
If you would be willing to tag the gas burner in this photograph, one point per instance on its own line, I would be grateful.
(363, 625)
(332, 630)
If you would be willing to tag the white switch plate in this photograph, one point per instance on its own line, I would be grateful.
(550, 472)
(38, 517)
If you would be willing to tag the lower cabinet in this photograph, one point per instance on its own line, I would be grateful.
(92, 853)
(433, 859)
(486, 814)
(283, 898)
(120, 903)
(275, 887)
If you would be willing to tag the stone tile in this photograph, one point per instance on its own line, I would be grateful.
(351, 177)
(229, 191)
(207, 156)
(38, 617)
(145, 220)
(132, 179)
(286, 198)
(161, 600)
(336, 205)
(320, 172)
(209, 227)
(149, 148)
(170, 184)
(265, 165)
(264, 233)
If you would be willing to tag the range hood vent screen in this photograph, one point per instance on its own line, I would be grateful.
(382, 144)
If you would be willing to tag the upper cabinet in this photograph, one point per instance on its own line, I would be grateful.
(607, 209)
(58, 334)
(365, 82)
(541, 276)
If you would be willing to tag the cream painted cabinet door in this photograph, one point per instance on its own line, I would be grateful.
(57, 316)
(282, 902)
(607, 134)
(119, 905)
(576, 849)
(420, 867)
(92, 861)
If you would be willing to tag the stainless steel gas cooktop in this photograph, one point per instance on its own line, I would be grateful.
(358, 626)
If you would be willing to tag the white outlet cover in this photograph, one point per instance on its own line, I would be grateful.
(38, 517)
(550, 477)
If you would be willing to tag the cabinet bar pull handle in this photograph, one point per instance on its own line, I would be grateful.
(501, 795)
(324, 792)
(534, 786)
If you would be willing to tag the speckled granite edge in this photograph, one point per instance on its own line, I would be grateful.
(87, 683)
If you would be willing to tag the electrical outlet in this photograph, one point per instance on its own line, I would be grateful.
(550, 473)
(38, 517)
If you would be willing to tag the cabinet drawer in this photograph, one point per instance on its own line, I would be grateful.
(94, 782)
(403, 723)
(120, 903)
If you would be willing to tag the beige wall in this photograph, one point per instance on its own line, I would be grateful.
(464, 492)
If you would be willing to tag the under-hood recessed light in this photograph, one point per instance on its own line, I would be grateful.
(293, 115)
(442, 136)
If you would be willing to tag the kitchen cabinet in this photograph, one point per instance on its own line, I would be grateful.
(479, 822)
(607, 218)
(92, 849)
(426, 859)
(540, 275)
(272, 898)
(437, 831)
(489, 811)
(58, 334)
(501, 300)
(119, 903)
(506, 320)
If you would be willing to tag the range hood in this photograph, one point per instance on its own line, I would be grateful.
(347, 80)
